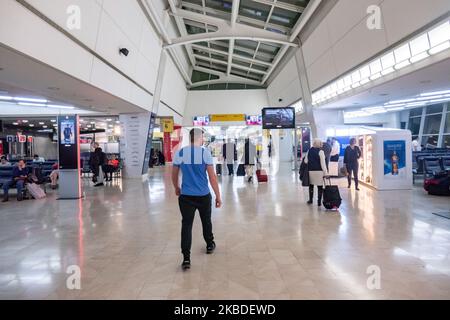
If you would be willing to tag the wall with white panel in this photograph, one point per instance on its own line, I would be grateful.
(201, 103)
(106, 26)
(285, 86)
(342, 40)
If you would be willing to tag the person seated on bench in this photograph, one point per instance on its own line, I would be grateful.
(20, 176)
(4, 162)
(36, 158)
(111, 167)
(54, 175)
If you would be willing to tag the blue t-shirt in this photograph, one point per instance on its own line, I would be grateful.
(193, 161)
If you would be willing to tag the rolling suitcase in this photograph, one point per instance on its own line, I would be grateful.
(261, 175)
(35, 191)
(219, 169)
(331, 196)
(240, 171)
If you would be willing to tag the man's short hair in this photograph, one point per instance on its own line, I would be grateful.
(194, 133)
(3, 158)
(21, 160)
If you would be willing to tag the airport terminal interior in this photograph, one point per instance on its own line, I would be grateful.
(325, 135)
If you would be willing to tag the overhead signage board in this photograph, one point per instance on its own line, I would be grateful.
(227, 117)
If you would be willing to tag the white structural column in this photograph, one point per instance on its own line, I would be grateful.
(319, 120)
(442, 126)
(159, 81)
(306, 91)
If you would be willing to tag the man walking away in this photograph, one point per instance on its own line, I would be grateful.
(194, 162)
(229, 153)
(249, 158)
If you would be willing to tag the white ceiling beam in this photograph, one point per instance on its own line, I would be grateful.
(225, 32)
(275, 63)
(234, 12)
(243, 49)
(228, 78)
(220, 81)
(150, 13)
(230, 56)
(235, 56)
(226, 17)
(282, 5)
(237, 66)
(234, 15)
(183, 32)
(304, 18)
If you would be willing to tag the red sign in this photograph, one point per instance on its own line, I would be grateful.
(30, 139)
(22, 138)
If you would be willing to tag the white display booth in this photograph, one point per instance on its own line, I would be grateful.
(386, 160)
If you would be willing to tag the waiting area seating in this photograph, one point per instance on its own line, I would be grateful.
(430, 162)
(41, 170)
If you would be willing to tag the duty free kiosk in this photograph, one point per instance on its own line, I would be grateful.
(386, 156)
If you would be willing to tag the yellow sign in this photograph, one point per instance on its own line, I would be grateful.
(227, 117)
(167, 124)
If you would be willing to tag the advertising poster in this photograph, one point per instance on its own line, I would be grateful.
(394, 159)
(68, 131)
(254, 120)
(68, 151)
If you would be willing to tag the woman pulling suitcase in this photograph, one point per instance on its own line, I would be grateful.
(317, 169)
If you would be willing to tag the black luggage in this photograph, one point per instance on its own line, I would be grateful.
(331, 196)
(240, 171)
(219, 169)
(439, 185)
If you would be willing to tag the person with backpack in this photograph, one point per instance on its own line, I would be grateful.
(195, 163)
(317, 169)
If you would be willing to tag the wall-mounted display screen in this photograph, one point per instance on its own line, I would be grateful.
(201, 120)
(278, 118)
(253, 120)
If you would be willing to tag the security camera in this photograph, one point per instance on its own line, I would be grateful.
(280, 100)
(124, 51)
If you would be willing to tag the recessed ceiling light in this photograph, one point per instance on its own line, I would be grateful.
(45, 127)
(52, 120)
(108, 120)
(31, 104)
(117, 122)
(31, 125)
(60, 107)
(25, 121)
(30, 100)
(15, 123)
(41, 123)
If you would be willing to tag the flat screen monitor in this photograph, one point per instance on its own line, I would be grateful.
(253, 120)
(278, 118)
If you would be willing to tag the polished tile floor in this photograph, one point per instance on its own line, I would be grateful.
(270, 245)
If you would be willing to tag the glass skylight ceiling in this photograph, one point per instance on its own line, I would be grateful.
(251, 61)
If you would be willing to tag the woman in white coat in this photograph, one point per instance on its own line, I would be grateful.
(315, 159)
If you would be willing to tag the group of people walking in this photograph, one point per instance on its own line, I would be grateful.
(315, 165)
(249, 158)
